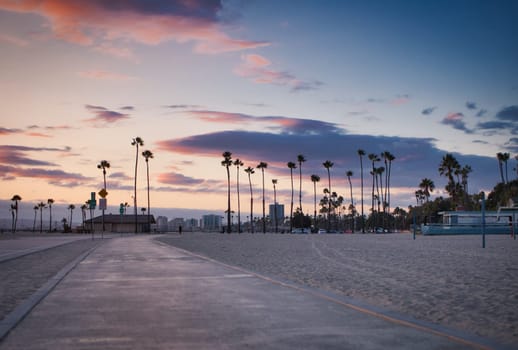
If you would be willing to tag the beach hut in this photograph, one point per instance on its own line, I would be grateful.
(120, 223)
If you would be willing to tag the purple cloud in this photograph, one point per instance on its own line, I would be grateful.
(105, 116)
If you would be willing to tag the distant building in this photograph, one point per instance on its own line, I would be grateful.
(280, 213)
(120, 223)
(174, 225)
(211, 222)
(162, 224)
(191, 225)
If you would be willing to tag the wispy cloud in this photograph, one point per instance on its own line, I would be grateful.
(505, 120)
(456, 120)
(7, 131)
(104, 116)
(471, 105)
(182, 106)
(482, 112)
(173, 178)
(401, 99)
(509, 113)
(102, 23)
(104, 75)
(256, 68)
(54, 177)
(428, 111)
(18, 155)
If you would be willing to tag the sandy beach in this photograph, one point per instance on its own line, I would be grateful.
(447, 280)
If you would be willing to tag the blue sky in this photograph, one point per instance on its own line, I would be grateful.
(266, 80)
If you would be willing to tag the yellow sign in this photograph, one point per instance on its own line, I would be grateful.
(103, 193)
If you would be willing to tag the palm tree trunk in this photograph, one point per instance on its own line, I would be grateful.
(228, 201)
(300, 188)
(251, 205)
(50, 218)
(238, 204)
(315, 202)
(329, 204)
(135, 191)
(148, 202)
(361, 182)
(34, 224)
(291, 207)
(41, 220)
(264, 213)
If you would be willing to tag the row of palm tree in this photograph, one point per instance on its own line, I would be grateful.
(380, 191)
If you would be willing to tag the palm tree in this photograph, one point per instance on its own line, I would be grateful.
(388, 158)
(301, 159)
(419, 197)
(83, 214)
(315, 179)
(262, 166)
(361, 153)
(50, 201)
(41, 205)
(227, 163)
(238, 163)
(448, 166)
(427, 186)
(71, 207)
(505, 158)
(500, 158)
(328, 164)
(291, 166)
(14, 207)
(137, 142)
(349, 173)
(36, 207)
(251, 171)
(379, 186)
(104, 164)
(373, 158)
(274, 182)
(147, 154)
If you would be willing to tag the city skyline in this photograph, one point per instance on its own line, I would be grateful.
(264, 80)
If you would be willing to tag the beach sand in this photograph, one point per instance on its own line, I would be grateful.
(448, 280)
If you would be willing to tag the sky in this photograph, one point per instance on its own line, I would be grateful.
(265, 80)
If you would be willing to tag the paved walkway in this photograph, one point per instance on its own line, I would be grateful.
(134, 293)
(23, 245)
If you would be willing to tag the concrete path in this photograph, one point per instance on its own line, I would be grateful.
(135, 293)
(20, 246)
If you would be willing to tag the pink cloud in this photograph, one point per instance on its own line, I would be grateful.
(104, 75)
(6, 131)
(38, 134)
(173, 178)
(99, 23)
(255, 68)
(103, 116)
